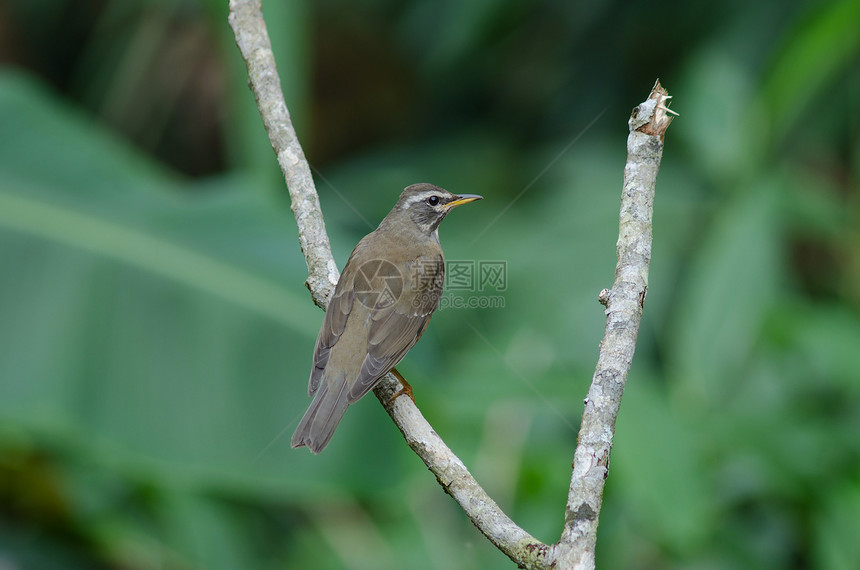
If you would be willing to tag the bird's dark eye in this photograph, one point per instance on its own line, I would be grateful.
(433, 200)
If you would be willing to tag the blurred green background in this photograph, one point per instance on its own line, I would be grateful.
(155, 332)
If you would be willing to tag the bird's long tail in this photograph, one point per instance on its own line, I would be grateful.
(323, 415)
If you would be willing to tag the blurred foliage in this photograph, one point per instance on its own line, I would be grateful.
(155, 335)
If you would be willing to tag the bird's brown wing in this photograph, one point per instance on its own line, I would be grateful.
(395, 328)
(334, 322)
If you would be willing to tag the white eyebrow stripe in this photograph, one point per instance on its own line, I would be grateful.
(424, 195)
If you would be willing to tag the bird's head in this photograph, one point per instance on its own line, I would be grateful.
(423, 207)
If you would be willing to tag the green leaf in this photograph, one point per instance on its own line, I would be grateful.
(812, 55)
(733, 279)
(154, 329)
(721, 129)
(206, 532)
(657, 470)
(837, 528)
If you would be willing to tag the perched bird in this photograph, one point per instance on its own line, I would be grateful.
(382, 304)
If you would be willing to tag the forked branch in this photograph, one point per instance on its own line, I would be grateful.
(624, 310)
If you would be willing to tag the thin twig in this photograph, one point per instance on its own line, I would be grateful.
(624, 311)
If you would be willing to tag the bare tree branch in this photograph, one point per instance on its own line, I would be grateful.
(624, 311)
(246, 19)
(624, 304)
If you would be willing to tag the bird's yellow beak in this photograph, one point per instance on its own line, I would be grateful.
(463, 199)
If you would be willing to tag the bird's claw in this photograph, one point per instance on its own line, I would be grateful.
(405, 388)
